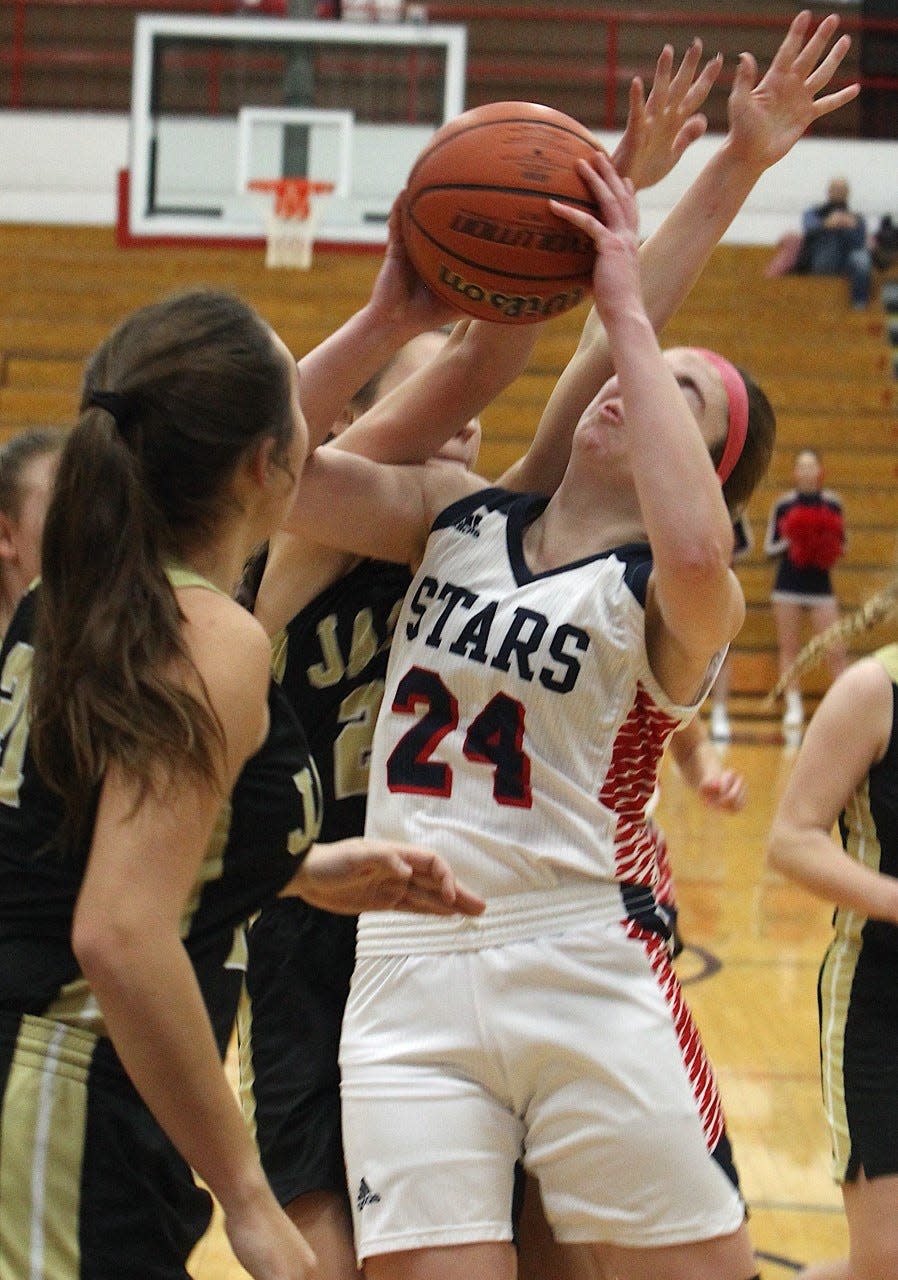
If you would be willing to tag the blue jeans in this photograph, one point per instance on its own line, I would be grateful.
(833, 254)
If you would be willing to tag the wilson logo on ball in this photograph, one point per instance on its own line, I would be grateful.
(509, 306)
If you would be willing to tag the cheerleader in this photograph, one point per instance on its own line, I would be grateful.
(806, 532)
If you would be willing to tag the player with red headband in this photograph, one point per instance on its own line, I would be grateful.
(545, 654)
(547, 650)
(736, 388)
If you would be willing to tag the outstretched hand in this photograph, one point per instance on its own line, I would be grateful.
(399, 292)
(355, 875)
(615, 234)
(767, 117)
(660, 129)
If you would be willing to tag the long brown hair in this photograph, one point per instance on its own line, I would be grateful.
(171, 402)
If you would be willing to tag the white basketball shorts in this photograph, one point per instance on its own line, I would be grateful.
(573, 1051)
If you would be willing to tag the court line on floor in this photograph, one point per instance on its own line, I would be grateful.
(710, 964)
(789, 1263)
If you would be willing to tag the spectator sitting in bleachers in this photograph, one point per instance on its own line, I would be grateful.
(833, 242)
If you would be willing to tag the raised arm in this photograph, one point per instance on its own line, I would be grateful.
(415, 419)
(412, 425)
(694, 604)
(766, 118)
(400, 307)
(470, 365)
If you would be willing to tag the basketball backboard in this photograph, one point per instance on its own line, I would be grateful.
(220, 102)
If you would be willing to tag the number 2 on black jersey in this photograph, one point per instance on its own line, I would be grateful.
(494, 737)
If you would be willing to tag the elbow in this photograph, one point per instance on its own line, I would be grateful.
(94, 952)
(705, 544)
(106, 950)
(704, 564)
(699, 596)
(86, 940)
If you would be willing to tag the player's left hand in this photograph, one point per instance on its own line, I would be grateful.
(360, 874)
(725, 791)
(769, 115)
(659, 129)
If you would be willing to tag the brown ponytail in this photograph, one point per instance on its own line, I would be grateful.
(171, 402)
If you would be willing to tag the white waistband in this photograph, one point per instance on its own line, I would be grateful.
(511, 918)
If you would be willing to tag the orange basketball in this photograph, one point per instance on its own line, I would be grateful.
(477, 223)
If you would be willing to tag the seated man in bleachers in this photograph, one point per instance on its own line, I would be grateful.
(835, 242)
(832, 242)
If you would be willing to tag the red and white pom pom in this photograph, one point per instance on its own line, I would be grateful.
(816, 536)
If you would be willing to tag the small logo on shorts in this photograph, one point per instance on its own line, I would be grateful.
(366, 1196)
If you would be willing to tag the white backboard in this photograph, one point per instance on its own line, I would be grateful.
(218, 101)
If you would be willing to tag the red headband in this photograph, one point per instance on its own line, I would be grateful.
(737, 399)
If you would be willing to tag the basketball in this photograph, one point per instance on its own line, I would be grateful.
(477, 223)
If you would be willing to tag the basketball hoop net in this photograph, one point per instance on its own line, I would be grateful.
(290, 232)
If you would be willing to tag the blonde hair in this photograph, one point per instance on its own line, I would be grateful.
(867, 616)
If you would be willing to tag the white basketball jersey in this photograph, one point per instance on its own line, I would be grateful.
(521, 727)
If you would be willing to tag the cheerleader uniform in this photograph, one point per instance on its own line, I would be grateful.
(807, 532)
(858, 985)
(520, 735)
(90, 1185)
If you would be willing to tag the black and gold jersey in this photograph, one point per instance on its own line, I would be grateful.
(273, 815)
(331, 661)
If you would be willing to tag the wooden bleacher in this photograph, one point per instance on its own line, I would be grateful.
(826, 368)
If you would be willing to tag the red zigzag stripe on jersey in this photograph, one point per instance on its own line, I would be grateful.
(629, 783)
(698, 1068)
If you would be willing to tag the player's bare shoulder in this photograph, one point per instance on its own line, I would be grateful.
(231, 653)
(446, 482)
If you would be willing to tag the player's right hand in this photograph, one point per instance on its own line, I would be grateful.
(267, 1244)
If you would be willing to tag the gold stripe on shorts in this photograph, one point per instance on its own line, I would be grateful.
(836, 978)
(42, 1122)
(246, 1090)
